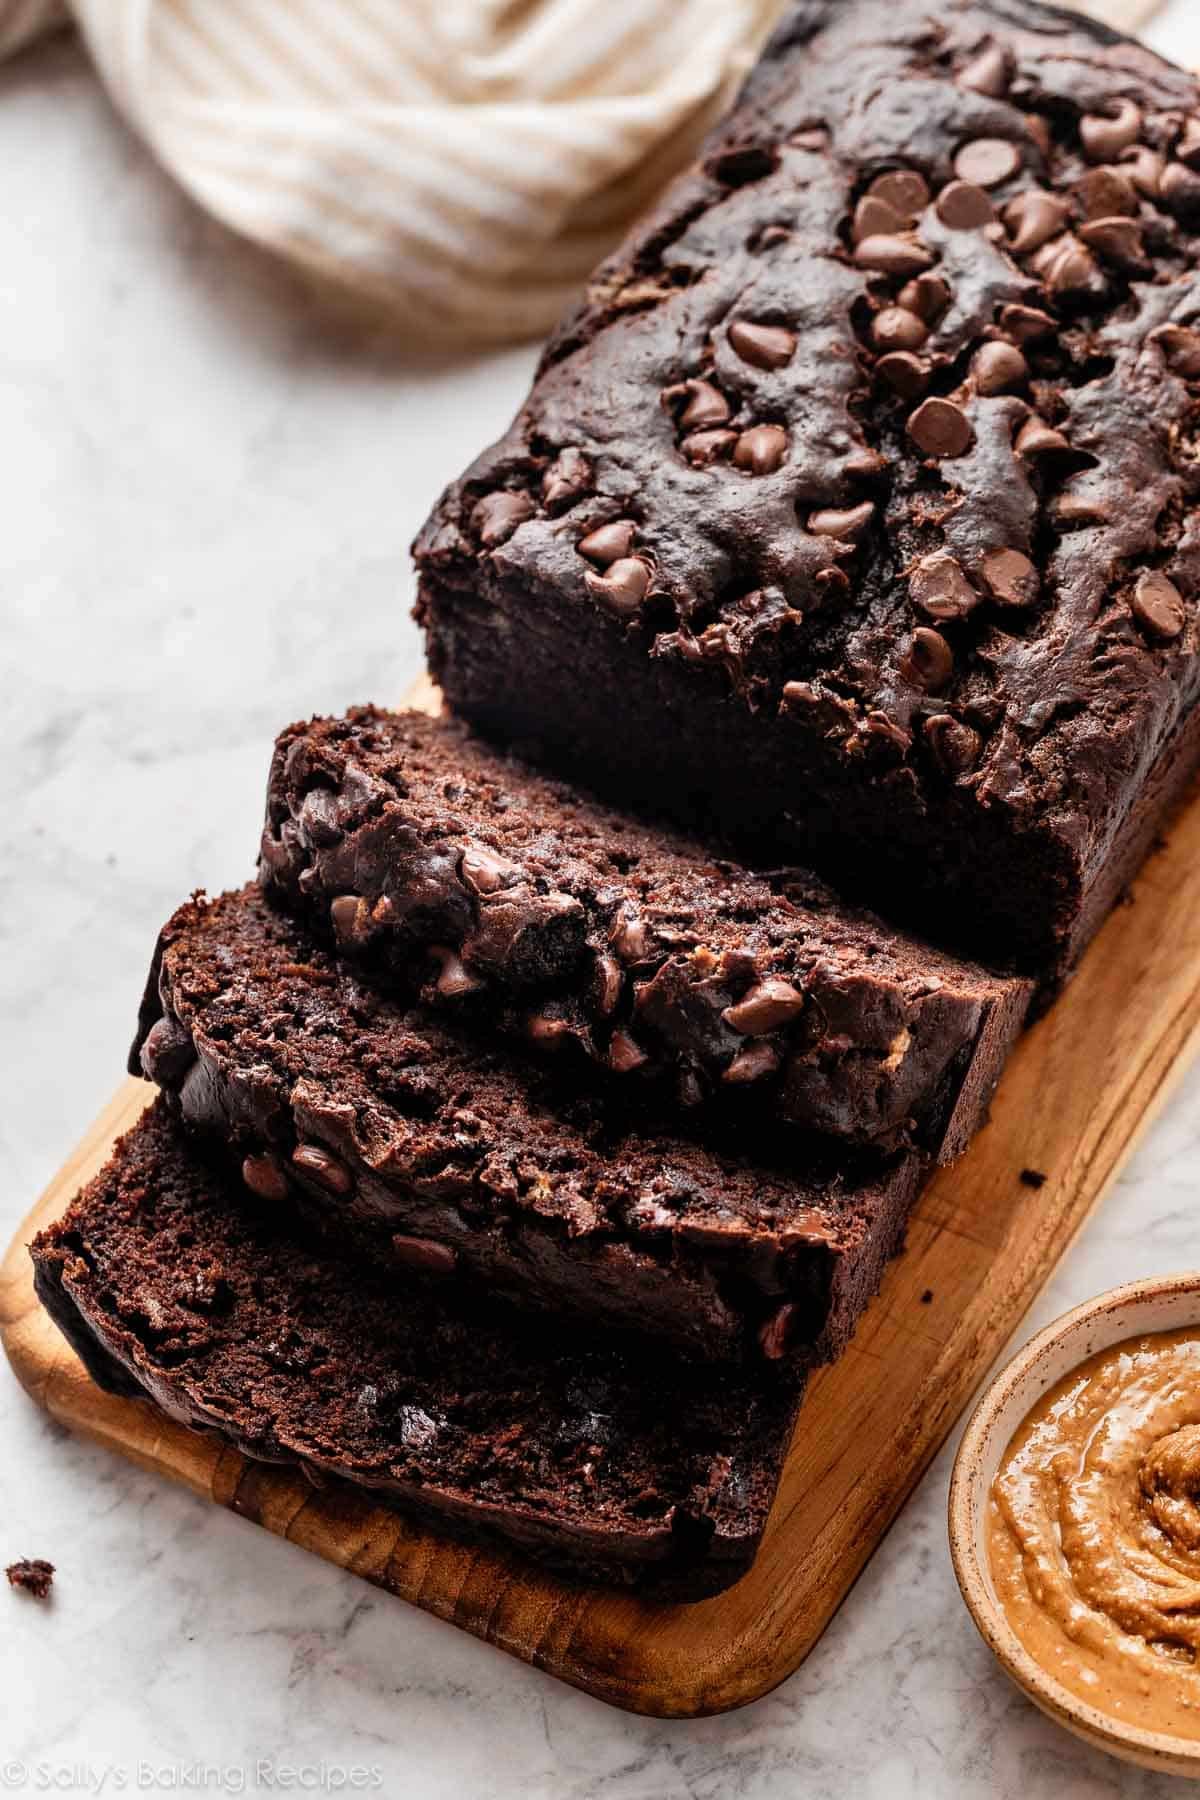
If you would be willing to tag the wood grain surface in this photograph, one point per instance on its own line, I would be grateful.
(1082, 1085)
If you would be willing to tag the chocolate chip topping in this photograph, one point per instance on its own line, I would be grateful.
(904, 190)
(1145, 168)
(904, 372)
(483, 871)
(705, 447)
(902, 256)
(1157, 605)
(1118, 240)
(567, 480)
(964, 207)
(875, 218)
(1026, 324)
(989, 73)
(939, 588)
(423, 1254)
(1033, 219)
(998, 368)
(1036, 438)
(1107, 194)
(941, 429)
(764, 1008)
(764, 346)
(895, 328)
(1010, 578)
(928, 296)
(928, 662)
(842, 522)
(987, 162)
(608, 543)
(761, 450)
(497, 516)
(1180, 345)
(704, 405)
(1104, 136)
(623, 586)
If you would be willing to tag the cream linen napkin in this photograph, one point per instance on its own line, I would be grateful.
(466, 162)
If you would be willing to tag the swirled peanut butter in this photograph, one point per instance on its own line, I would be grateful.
(1094, 1532)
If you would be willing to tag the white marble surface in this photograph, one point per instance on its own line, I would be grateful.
(207, 495)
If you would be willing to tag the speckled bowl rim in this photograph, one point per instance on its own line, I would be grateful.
(1097, 1325)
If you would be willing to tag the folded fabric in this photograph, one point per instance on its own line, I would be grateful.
(464, 162)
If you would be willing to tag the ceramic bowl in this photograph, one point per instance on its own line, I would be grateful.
(1164, 1303)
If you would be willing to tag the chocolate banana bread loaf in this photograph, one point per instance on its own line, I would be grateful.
(171, 1286)
(463, 1160)
(854, 510)
(414, 848)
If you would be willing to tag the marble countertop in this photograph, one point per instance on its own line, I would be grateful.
(209, 487)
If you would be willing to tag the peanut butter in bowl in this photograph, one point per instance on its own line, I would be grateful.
(1093, 1532)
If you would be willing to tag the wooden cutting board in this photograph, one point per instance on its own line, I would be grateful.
(1081, 1087)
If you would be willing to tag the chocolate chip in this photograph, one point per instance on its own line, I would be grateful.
(1075, 510)
(954, 745)
(264, 1175)
(863, 464)
(878, 726)
(629, 938)
(989, 73)
(893, 256)
(767, 1006)
(904, 190)
(625, 1054)
(423, 1254)
(1188, 147)
(497, 516)
(964, 207)
(1033, 219)
(324, 1168)
(1180, 346)
(350, 917)
(743, 163)
(1026, 324)
(873, 217)
(608, 543)
(762, 449)
(773, 1336)
(938, 587)
(704, 405)
(1179, 190)
(1070, 269)
(1104, 137)
(483, 871)
(895, 328)
(1118, 240)
(1158, 607)
(1107, 194)
(941, 429)
(838, 522)
(168, 1052)
(927, 296)
(928, 661)
(607, 982)
(904, 372)
(987, 161)
(623, 587)
(751, 1064)
(1145, 168)
(567, 479)
(1010, 578)
(998, 368)
(547, 1032)
(1039, 131)
(705, 447)
(1036, 438)
(454, 977)
(765, 346)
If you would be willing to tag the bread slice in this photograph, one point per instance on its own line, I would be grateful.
(628, 952)
(497, 1169)
(174, 1286)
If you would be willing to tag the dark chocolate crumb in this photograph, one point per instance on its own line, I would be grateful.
(1033, 1178)
(927, 1297)
(33, 1575)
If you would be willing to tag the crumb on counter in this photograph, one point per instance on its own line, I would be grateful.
(1033, 1178)
(32, 1574)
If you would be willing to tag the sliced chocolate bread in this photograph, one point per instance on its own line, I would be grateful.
(854, 509)
(518, 901)
(172, 1286)
(464, 1159)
